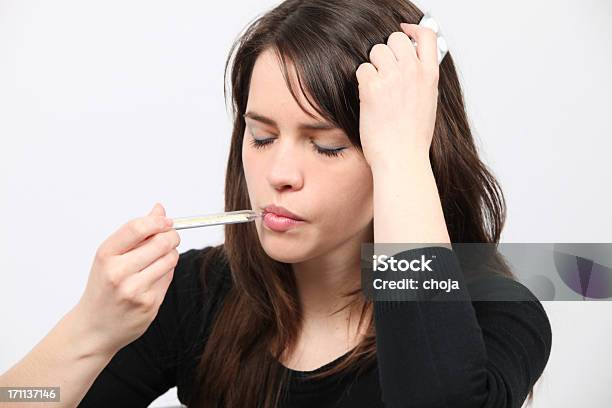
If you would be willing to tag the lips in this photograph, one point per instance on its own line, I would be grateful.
(280, 219)
(282, 212)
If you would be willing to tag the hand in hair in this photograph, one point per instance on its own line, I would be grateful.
(398, 93)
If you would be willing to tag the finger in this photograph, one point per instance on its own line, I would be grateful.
(141, 243)
(158, 209)
(154, 211)
(427, 45)
(160, 287)
(383, 59)
(157, 245)
(145, 279)
(402, 47)
(130, 234)
(365, 73)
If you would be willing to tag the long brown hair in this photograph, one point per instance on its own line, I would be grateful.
(260, 318)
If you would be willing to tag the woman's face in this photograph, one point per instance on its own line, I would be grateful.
(332, 194)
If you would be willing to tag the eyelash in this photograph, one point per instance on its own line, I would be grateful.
(260, 144)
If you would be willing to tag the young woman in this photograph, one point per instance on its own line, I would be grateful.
(361, 137)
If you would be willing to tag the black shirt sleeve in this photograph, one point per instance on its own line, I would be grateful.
(460, 353)
(150, 365)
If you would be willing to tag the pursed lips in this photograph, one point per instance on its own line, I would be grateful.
(282, 212)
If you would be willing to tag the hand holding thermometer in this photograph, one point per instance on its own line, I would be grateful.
(232, 217)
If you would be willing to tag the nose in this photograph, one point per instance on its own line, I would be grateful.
(284, 170)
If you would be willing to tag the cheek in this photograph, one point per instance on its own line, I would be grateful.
(249, 164)
(348, 200)
(249, 174)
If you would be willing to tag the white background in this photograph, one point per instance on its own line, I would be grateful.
(108, 107)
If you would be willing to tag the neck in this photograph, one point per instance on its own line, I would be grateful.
(321, 281)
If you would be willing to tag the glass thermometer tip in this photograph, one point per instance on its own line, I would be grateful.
(231, 217)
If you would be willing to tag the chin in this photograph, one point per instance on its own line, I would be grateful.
(282, 250)
(281, 255)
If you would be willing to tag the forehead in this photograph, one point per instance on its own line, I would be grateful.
(269, 94)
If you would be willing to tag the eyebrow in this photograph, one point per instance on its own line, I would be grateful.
(306, 126)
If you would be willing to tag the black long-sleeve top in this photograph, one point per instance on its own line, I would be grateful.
(429, 354)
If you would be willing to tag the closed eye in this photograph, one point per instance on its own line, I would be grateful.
(262, 143)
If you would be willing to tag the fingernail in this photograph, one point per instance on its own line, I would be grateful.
(169, 221)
